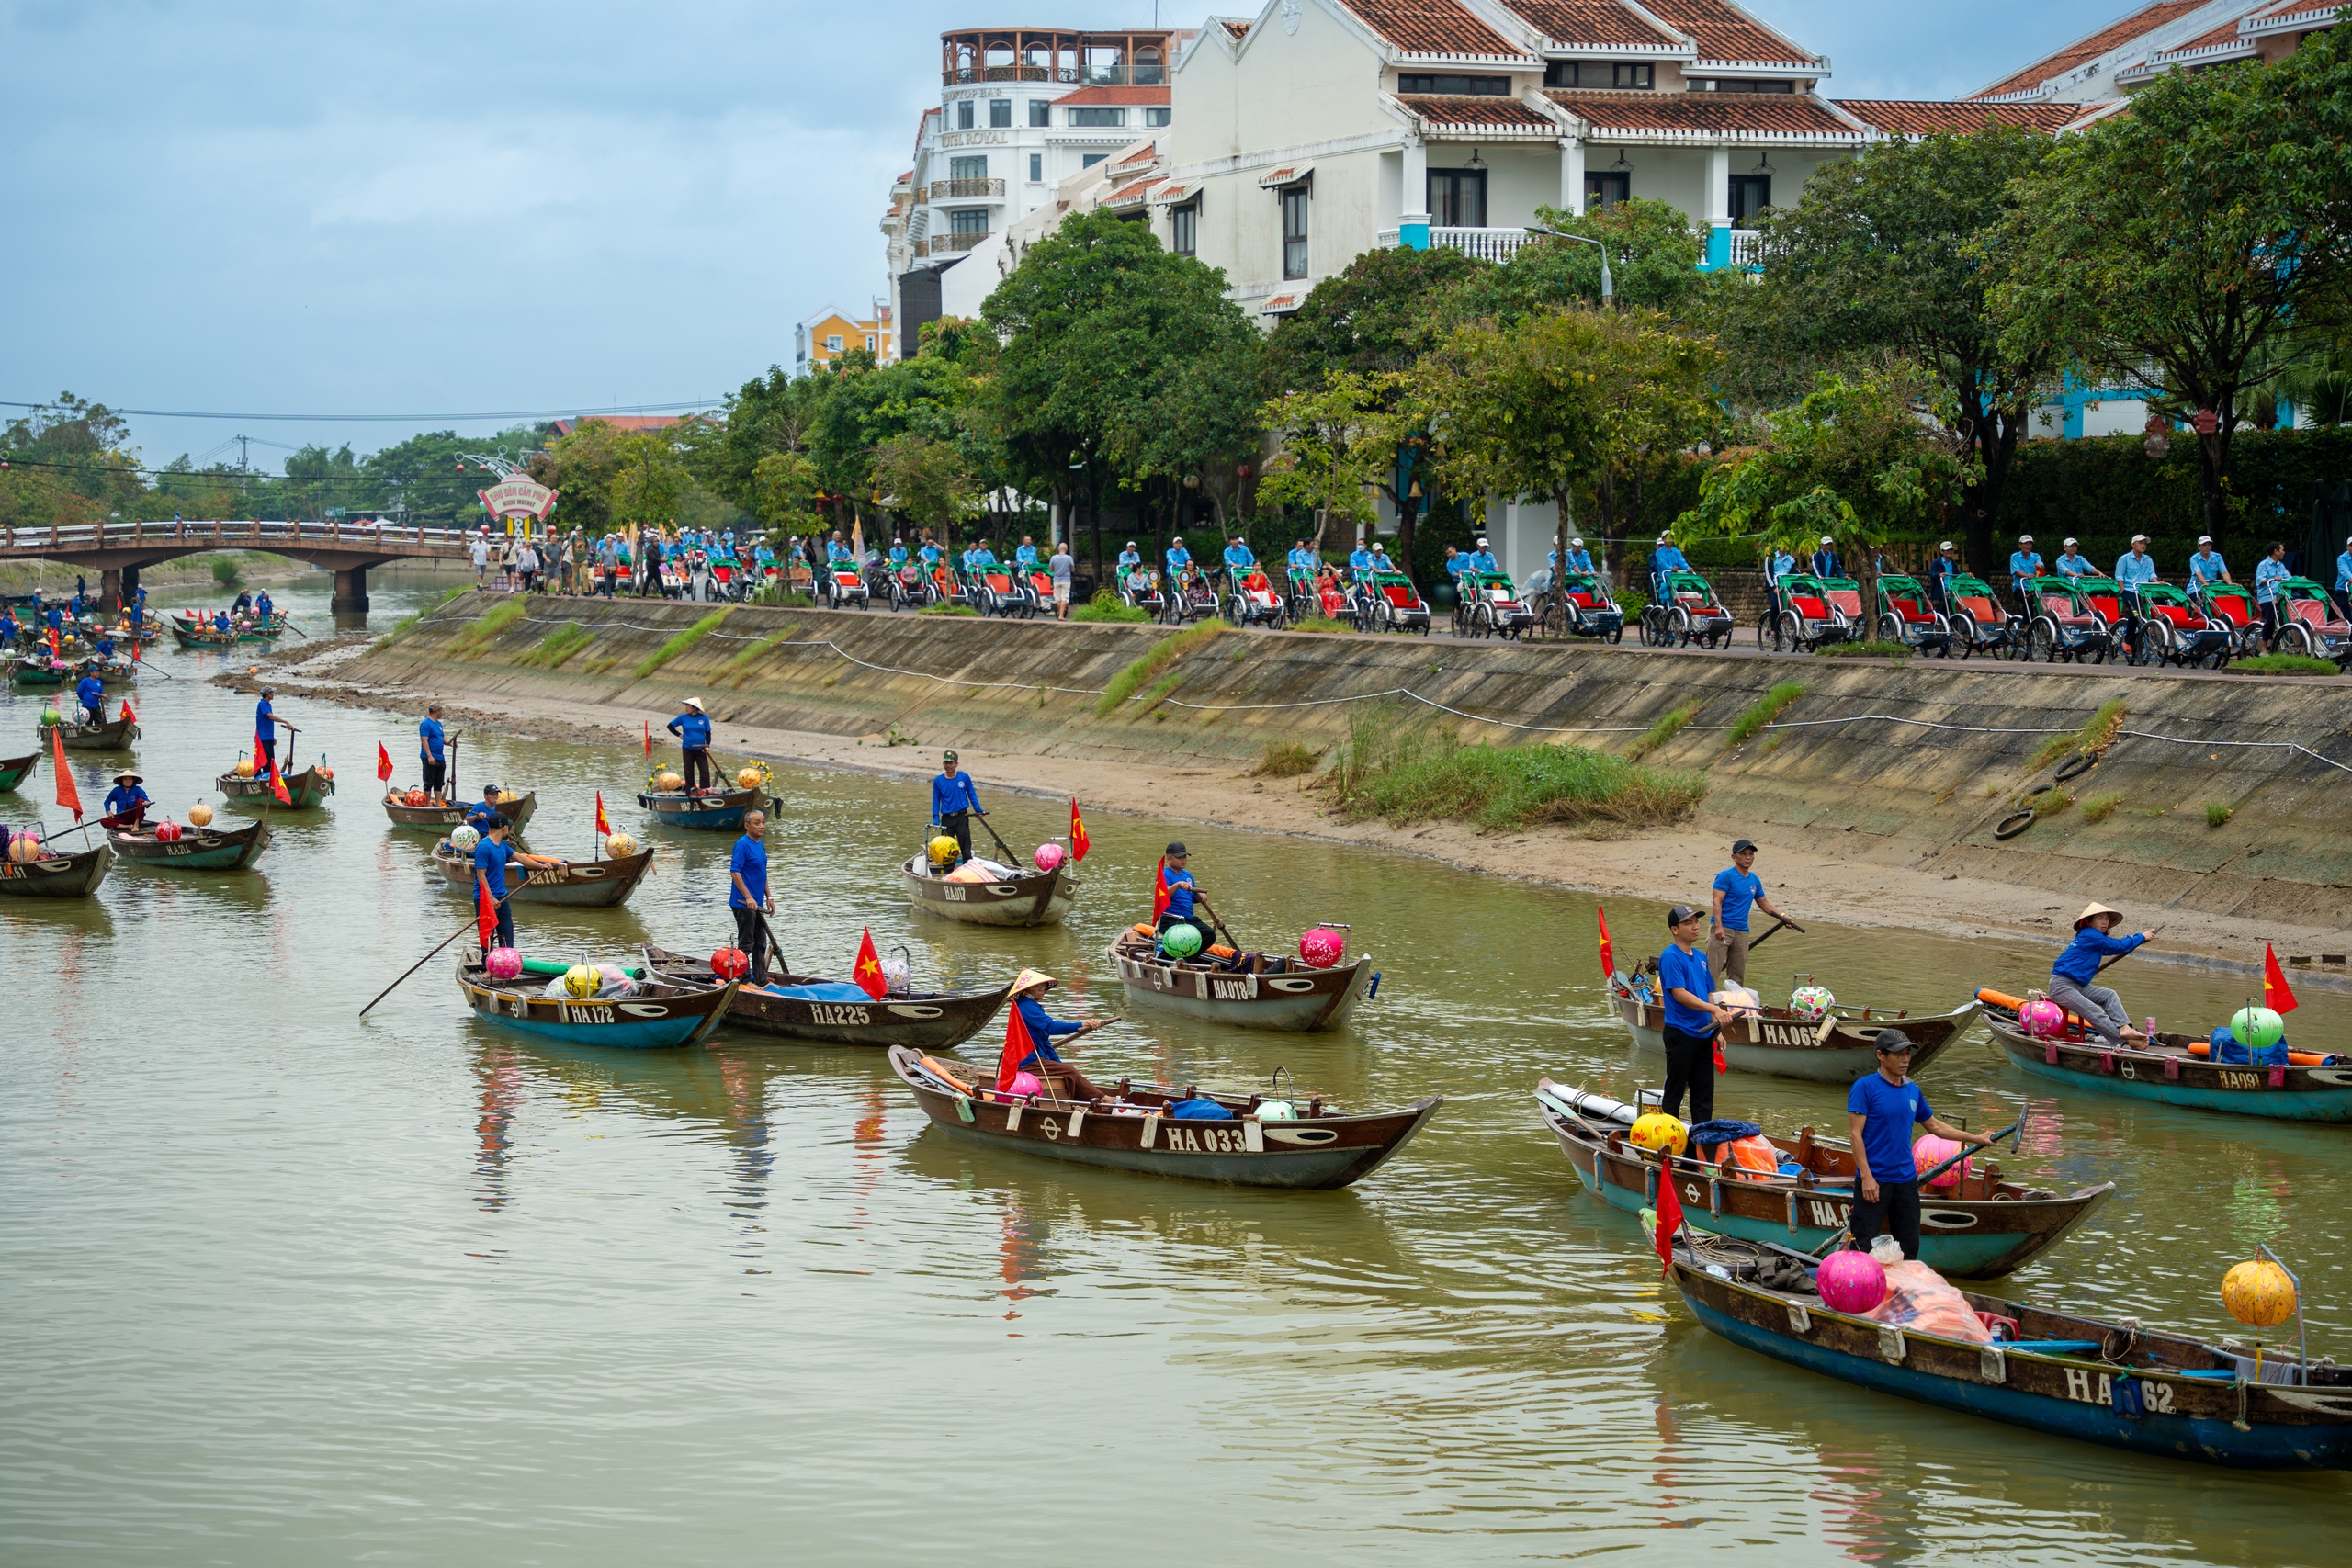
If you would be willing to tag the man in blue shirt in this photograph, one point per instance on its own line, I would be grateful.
(91, 693)
(1665, 557)
(1579, 558)
(1825, 560)
(1881, 1109)
(1129, 559)
(2072, 562)
(2024, 561)
(266, 732)
(1737, 888)
(56, 618)
(1026, 557)
(2070, 978)
(430, 744)
(1381, 564)
(836, 548)
(492, 857)
(2206, 566)
(1239, 559)
(2268, 573)
(1176, 885)
(9, 630)
(1360, 560)
(127, 803)
(1940, 571)
(2134, 568)
(897, 552)
(693, 729)
(479, 814)
(1692, 1017)
(1061, 1080)
(1178, 557)
(2343, 589)
(1483, 559)
(1300, 558)
(747, 891)
(953, 803)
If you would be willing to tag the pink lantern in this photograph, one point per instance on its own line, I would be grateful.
(1025, 1083)
(1321, 947)
(1047, 856)
(1932, 1151)
(1850, 1282)
(2042, 1018)
(504, 964)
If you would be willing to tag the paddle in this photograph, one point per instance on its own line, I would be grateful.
(2014, 1132)
(470, 925)
(1000, 840)
(775, 949)
(1778, 922)
(2119, 958)
(288, 622)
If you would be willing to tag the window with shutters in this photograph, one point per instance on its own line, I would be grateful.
(1185, 229)
(1294, 231)
(1001, 112)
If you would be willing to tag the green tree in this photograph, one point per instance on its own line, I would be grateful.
(427, 479)
(1886, 251)
(929, 478)
(1381, 312)
(1336, 442)
(785, 491)
(2196, 246)
(1653, 265)
(648, 480)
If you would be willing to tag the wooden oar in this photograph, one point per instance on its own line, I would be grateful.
(999, 838)
(2121, 956)
(775, 949)
(1778, 922)
(471, 925)
(288, 622)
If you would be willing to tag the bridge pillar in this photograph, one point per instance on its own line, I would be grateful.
(109, 586)
(351, 588)
(129, 583)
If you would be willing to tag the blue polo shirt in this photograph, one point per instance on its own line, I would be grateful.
(1740, 890)
(2025, 563)
(2080, 962)
(430, 739)
(1177, 556)
(749, 862)
(2268, 575)
(693, 730)
(1665, 557)
(492, 858)
(1042, 1027)
(2131, 571)
(1239, 559)
(953, 792)
(1689, 971)
(1888, 1115)
(1178, 884)
(92, 694)
(265, 725)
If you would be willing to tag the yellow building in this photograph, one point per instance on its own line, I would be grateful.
(829, 334)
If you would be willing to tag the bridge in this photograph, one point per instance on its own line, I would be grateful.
(116, 550)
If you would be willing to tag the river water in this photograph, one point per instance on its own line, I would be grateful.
(278, 1285)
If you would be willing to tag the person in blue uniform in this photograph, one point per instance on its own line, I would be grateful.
(1177, 558)
(1300, 558)
(1825, 562)
(127, 803)
(693, 729)
(1940, 571)
(2024, 561)
(1579, 558)
(1177, 883)
(1025, 557)
(1239, 560)
(1664, 556)
(747, 891)
(2343, 589)
(1737, 889)
(2070, 978)
(1062, 1080)
(953, 803)
(1129, 559)
(262, 608)
(2268, 573)
(91, 693)
(9, 630)
(266, 731)
(220, 621)
(431, 743)
(56, 618)
(479, 814)
(836, 548)
(1483, 557)
(1359, 559)
(1881, 1109)
(897, 552)
(1692, 1017)
(492, 857)
(2073, 563)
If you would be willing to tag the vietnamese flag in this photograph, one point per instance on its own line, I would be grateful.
(276, 785)
(1017, 1049)
(1078, 842)
(485, 913)
(868, 972)
(1669, 1215)
(383, 764)
(649, 740)
(2275, 994)
(1160, 891)
(128, 717)
(604, 829)
(66, 794)
(1608, 953)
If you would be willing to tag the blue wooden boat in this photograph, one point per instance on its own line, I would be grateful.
(1981, 1228)
(714, 808)
(2169, 1075)
(660, 1013)
(2114, 1383)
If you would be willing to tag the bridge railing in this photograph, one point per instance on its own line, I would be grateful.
(246, 533)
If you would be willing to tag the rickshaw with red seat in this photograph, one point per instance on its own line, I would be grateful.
(845, 585)
(1686, 611)
(944, 587)
(906, 584)
(1299, 587)
(2234, 607)
(1904, 615)
(1490, 604)
(2175, 629)
(1395, 605)
(1583, 608)
(993, 591)
(1253, 598)
(1978, 622)
(1815, 613)
(1039, 583)
(2064, 624)
(2310, 624)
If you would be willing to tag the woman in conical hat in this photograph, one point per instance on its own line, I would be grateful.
(2071, 976)
(1029, 1033)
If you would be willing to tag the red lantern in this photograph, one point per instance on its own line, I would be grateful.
(2206, 422)
(731, 963)
(167, 832)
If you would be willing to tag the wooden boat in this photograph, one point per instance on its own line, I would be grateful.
(2155, 1393)
(925, 1021)
(13, 770)
(658, 1015)
(197, 849)
(200, 634)
(583, 884)
(304, 790)
(1029, 897)
(714, 808)
(2169, 1075)
(1320, 1150)
(1980, 1229)
(36, 675)
(114, 736)
(447, 816)
(1836, 1049)
(56, 877)
(1296, 998)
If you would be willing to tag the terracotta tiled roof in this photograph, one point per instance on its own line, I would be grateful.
(1705, 113)
(1590, 21)
(1449, 109)
(1431, 27)
(1723, 33)
(1235, 26)
(1135, 192)
(1143, 154)
(1085, 96)
(2145, 20)
(1909, 117)
(2226, 33)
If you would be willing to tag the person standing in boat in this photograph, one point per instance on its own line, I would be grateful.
(90, 693)
(2070, 978)
(1062, 1080)
(1737, 888)
(1176, 891)
(127, 803)
(430, 749)
(693, 729)
(492, 855)
(953, 803)
(747, 891)
(1692, 1017)
(1881, 1109)
(266, 734)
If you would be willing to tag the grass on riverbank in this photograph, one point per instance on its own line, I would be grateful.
(2285, 664)
(409, 625)
(1898, 651)
(556, 649)
(679, 643)
(2218, 812)
(1406, 775)
(1107, 606)
(2096, 735)
(1164, 652)
(2099, 808)
(1765, 709)
(1286, 759)
(943, 608)
(1664, 730)
(738, 669)
(1321, 624)
(475, 640)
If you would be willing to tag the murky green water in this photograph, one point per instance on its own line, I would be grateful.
(279, 1286)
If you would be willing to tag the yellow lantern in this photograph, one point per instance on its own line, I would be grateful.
(244, 767)
(620, 846)
(2258, 1293)
(748, 778)
(200, 814)
(1659, 1133)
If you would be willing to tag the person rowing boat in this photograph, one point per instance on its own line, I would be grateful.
(2070, 978)
(1881, 1109)
(1175, 893)
(126, 803)
(1029, 1043)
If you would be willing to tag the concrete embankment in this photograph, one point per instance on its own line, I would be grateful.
(1932, 756)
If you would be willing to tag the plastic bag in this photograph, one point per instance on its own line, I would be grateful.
(1918, 1297)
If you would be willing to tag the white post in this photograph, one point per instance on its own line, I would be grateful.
(1413, 221)
(1718, 206)
(1572, 175)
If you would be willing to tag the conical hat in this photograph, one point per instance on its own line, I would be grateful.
(2093, 910)
(1029, 978)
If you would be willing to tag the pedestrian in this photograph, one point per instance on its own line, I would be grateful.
(1692, 1017)
(2268, 573)
(747, 895)
(1738, 887)
(430, 744)
(693, 729)
(1881, 1109)
(480, 552)
(1062, 567)
(953, 803)
(2070, 978)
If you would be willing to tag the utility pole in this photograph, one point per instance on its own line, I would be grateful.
(244, 454)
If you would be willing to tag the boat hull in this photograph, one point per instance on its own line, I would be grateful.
(1032, 898)
(15, 770)
(1793, 1048)
(1301, 1001)
(56, 877)
(444, 818)
(197, 849)
(922, 1022)
(115, 737)
(717, 811)
(2302, 1094)
(584, 884)
(305, 790)
(635, 1023)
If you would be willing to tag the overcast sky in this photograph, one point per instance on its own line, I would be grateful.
(434, 208)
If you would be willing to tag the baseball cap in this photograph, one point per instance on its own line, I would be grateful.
(1892, 1040)
(1678, 914)
(1740, 844)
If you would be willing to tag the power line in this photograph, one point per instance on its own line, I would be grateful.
(396, 418)
(238, 474)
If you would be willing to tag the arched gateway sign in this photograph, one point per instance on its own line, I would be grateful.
(518, 498)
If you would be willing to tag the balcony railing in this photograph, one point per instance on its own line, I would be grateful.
(1072, 75)
(1486, 245)
(948, 244)
(964, 190)
(1745, 243)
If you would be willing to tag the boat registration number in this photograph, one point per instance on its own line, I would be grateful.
(954, 892)
(2088, 1387)
(838, 1012)
(1203, 1140)
(573, 1012)
(2241, 1080)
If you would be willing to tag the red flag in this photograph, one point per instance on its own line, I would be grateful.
(1607, 953)
(868, 972)
(2275, 994)
(66, 794)
(129, 715)
(1078, 841)
(383, 764)
(604, 829)
(485, 913)
(276, 785)
(649, 740)
(1017, 1047)
(1160, 891)
(1669, 1214)
(53, 651)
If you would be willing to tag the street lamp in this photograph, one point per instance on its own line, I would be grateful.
(1608, 286)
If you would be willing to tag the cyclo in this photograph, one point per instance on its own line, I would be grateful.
(1488, 605)
(993, 591)
(1814, 613)
(1191, 597)
(1299, 587)
(1905, 616)
(1977, 622)
(2309, 623)
(2175, 629)
(845, 585)
(1139, 590)
(944, 587)
(2233, 606)
(2064, 624)
(1686, 611)
(1393, 604)
(1253, 598)
(1583, 608)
